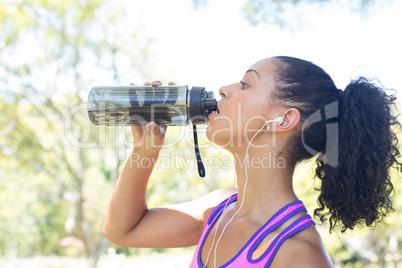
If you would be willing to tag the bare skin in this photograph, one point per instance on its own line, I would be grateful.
(244, 108)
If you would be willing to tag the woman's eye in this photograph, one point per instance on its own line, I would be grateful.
(243, 85)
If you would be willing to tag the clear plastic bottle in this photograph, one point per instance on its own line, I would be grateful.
(136, 105)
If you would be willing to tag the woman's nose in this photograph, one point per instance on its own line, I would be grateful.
(224, 92)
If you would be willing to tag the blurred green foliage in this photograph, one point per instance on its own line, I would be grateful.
(283, 12)
(275, 11)
(54, 190)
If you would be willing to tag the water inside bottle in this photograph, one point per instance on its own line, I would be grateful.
(138, 105)
(167, 115)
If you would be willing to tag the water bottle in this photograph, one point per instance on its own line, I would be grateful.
(137, 105)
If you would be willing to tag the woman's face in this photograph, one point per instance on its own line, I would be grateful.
(244, 108)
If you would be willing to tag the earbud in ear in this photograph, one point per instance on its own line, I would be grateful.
(278, 120)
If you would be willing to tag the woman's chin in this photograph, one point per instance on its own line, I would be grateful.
(219, 135)
(216, 139)
(208, 132)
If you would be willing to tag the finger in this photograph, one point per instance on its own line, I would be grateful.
(163, 128)
(132, 84)
(137, 130)
(156, 83)
(171, 83)
(150, 126)
(147, 84)
(156, 129)
(139, 135)
(159, 130)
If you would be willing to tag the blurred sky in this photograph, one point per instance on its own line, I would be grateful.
(214, 45)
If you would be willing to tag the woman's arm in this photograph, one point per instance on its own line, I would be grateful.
(130, 223)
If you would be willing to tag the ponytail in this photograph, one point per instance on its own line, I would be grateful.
(357, 190)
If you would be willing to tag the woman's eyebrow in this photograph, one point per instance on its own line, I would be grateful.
(252, 70)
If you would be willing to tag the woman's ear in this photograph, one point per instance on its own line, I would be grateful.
(291, 119)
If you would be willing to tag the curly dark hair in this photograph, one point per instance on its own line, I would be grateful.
(355, 155)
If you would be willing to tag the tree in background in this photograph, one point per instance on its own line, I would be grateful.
(55, 173)
(277, 11)
(273, 11)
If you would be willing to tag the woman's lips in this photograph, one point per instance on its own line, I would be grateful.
(212, 115)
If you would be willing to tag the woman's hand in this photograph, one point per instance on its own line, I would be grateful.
(149, 138)
(129, 222)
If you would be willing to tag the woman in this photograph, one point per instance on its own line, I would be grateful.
(289, 109)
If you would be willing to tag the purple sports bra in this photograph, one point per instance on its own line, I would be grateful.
(244, 257)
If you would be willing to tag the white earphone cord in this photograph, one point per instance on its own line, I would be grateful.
(219, 220)
(279, 121)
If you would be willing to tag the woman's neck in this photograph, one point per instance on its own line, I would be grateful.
(266, 184)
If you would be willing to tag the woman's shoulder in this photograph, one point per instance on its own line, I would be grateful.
(304, 249)
(207, 203)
